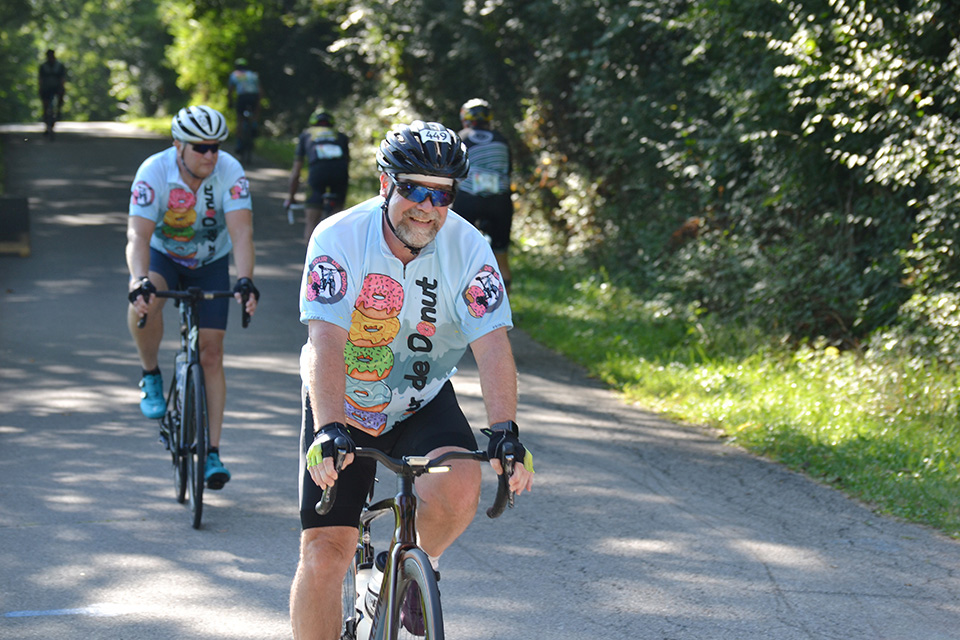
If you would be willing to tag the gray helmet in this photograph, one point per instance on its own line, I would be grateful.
(199, 123)
(425, 148)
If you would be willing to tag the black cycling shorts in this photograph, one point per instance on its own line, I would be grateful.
(320, 178)
(247, 102)
(440, 423)
(491, 214)
(210, 277)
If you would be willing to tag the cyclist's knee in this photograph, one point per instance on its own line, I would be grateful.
(452, 493)
(326, 551)
(211, 349)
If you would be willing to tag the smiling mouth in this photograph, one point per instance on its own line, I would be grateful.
(420, 219)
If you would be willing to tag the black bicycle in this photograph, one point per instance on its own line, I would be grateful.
(376, 585)
(51, 108)
(328, 206)
(184, 428)
(247, 131)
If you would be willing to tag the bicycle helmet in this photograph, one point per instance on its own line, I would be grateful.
(475, 112)
(240, 63)
(423, 148)
(198, 123)
(320, 118)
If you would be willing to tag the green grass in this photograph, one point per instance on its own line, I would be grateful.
(880, 428)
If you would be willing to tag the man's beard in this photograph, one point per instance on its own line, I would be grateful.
(417, 236)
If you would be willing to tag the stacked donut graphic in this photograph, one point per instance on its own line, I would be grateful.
(367, 355)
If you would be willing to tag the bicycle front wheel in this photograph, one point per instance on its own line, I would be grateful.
(348, 597)
(415, 569)
(194, 438)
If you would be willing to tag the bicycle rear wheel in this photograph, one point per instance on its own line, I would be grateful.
(195, 436)
(415, 568)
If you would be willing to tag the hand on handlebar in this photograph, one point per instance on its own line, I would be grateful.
(504, 440)
(247, 294)
(321, 456)
(141, 296)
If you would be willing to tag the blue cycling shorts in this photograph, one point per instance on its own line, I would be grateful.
(210, 277)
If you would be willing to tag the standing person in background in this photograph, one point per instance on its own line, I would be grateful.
(51, 80)
(244, 93)
(327, 154)
(190, 207)
(484, 197)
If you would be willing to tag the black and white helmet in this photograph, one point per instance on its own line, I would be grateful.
(199, 123)
(424, 148)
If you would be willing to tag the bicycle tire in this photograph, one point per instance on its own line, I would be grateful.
(415, 567)
(170, 424)
(348, 600)
(195, 437)
(173, 425)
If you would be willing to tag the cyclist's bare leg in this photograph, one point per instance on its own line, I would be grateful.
(447, 503)
(211, 359)
(149, 337)
(311, 220)
(315, 605)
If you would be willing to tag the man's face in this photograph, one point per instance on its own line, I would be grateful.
(417, 224)
(199, 158)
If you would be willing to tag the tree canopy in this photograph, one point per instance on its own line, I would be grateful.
(784, 164)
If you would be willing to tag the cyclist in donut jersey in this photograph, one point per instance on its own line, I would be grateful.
(394, 290)
(189, 208)
(484, 197)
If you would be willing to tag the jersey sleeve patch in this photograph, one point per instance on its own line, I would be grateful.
(326, 281)
(485, 292)
(240, 189)
(142, 194)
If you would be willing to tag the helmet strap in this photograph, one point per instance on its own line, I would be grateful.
(386, 205)
(183, 161)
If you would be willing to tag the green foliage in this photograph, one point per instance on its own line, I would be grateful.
(881, 427)
(18, 90)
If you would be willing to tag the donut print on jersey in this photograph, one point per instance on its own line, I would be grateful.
(367, 356)
(371, 332)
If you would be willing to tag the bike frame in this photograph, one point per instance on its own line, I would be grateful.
(403, 506)
(188, 307)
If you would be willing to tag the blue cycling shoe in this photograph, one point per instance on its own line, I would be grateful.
(215, 473)
(152, 404)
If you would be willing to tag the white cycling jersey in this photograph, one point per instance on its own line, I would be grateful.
(408, 324)
(191, 227)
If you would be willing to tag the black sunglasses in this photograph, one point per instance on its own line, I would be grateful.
(203, 148)
(418, 193)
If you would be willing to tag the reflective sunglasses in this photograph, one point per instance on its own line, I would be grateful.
(418, 193)
(203, 148)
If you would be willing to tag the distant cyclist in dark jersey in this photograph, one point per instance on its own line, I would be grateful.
(326, 152)
(484, 197)
(51, 79)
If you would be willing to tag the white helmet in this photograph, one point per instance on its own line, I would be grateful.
(196, 124)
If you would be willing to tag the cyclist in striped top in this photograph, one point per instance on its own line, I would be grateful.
(484, 197)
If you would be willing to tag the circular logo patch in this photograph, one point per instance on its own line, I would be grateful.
(326, 282)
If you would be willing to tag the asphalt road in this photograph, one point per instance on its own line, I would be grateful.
(637, 528)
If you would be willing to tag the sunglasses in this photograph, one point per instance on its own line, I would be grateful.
(204, 148)
(418, 193)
